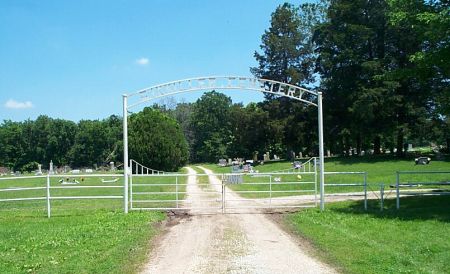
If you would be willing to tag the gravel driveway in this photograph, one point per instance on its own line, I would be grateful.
(229, 243)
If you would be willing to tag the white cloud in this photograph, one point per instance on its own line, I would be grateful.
(13, 104)
(142, 61)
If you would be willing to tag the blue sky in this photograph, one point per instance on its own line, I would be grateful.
(74, 59)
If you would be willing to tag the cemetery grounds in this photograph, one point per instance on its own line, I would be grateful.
(88, 236)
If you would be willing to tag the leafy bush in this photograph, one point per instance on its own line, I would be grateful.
(157, 141)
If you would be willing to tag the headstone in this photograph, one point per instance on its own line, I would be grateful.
(266, 156)
(39, 172)
(292, 156)
(255, 156)
(328, 153)
(111, 166)
(410, 147)
(235, 169)
(89, 170)
(75, 171)
(230, 162)
(51, 171)
(222, 162)
(301, 156)
(362, 153)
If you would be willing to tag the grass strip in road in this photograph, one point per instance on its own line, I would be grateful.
(99, 242)
(414, 239)
(202, 181)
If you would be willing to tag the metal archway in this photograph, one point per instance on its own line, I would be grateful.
(222, 83)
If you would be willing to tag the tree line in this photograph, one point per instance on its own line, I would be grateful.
(84, 144)
(382, 66)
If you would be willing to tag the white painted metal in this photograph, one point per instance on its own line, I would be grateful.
(131, 184)
(398, 185)
(149, 200)
(21, 188)
(223, 83)
(291, 170)
(23, 199)
(125, 153)
(363, 184)
(85, 197)
(7, 178)
(48, 197)
(48, 187)
(321, 154)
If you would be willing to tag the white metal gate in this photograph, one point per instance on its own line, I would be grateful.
(223, 192)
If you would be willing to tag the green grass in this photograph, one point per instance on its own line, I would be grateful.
(96, 242)
(155, 195)
(62, 206)
(379, 170)
(414, 239)
(83, 236)
(202, 181)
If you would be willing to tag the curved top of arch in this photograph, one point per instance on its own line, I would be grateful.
(223, 83)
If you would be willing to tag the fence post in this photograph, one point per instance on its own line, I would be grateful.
(397, 185)
(176, 189)
(131, 185)
(223, 195)
(382, 196)
(48, 196)
(270, 191)
(315, 181)
(365, 190)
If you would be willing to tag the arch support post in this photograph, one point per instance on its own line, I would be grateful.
(125, 153)
(321, 154)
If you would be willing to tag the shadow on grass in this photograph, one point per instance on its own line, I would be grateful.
(411, 208)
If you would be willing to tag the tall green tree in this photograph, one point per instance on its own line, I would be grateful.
(351, 45)
(90, 147)
(210, 122)
(288, 56)
(422, 69)
(157, 141)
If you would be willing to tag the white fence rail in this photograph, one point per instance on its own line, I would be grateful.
(362, 184)
(413, 188)
(48, 189)
(226, 191)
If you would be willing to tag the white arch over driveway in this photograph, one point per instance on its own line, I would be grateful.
(277, 88)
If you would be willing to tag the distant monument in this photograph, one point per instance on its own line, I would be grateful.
(266, 157)
(51, 171)
(111, 166)
(39, 172)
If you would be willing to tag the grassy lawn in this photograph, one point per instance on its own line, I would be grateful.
(414, 239)
(202, 181)
(379, 170)
(97, 242)
(83, 236)
(155, 192)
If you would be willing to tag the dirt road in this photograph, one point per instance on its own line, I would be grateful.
(229, 243)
